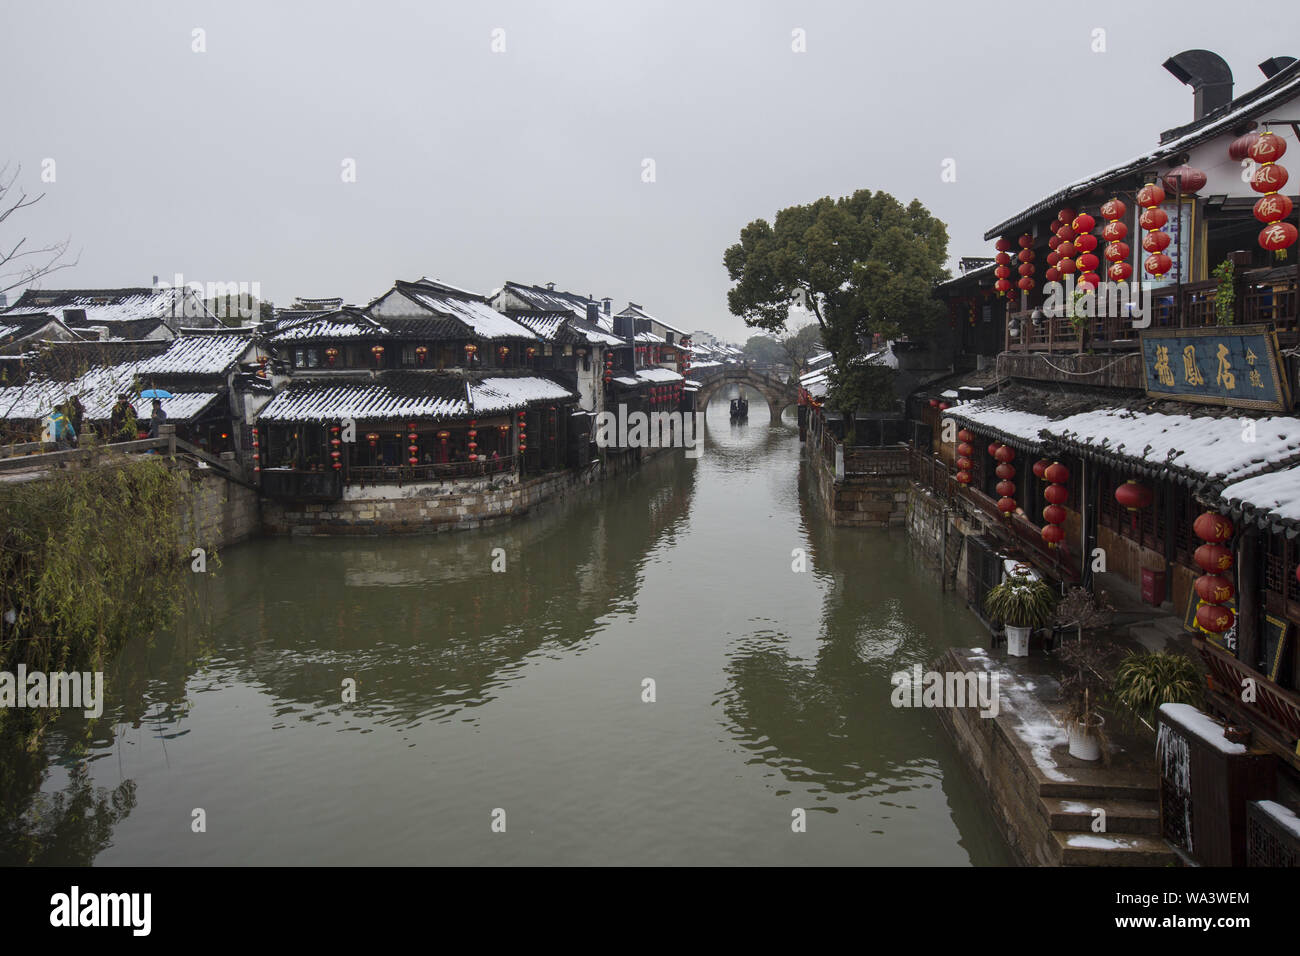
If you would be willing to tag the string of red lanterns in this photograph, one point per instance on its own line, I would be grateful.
(523, 437)
(1065, 264)
(1056, 494)
(1272, 208)
(1154, 219)
(473, 436)
(1114, 232)
(335, 444)
(412, 436)
(1085, 248)
(1026, 257)
(257, 453)
(1003, 270)
(1006, 488)
(1214, 588)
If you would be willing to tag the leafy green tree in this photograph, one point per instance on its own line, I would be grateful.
(861, 264)
(763, 350)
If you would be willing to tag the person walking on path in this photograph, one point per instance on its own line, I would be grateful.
(58, 429)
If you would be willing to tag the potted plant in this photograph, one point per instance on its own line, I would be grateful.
(1084, 688)
(1145, 681)
(1022, 605)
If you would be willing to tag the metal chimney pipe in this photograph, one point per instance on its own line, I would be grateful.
(1209, 77)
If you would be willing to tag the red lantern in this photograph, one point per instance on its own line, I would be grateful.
(1006, 489)
(1155, 241)
(1040, 467)
(963, 477)
(421, 353)
(1026, 284)
(965, 435)
(1053, 257)
(1003, 245)
(1005, 470)
(1117, 251)
(1003, 272)
(331, 354)
(1215, 619)
(1212, 527)
(1053, 534)
(1025, 241)
(1084, 223)
(1158, 264)
(1089, 281)
(993, 449)
(1002, 259)
(443, 436)
(1273, 208)
(1153, 218)
(1065, 266)
(1053, 241)
(1186, 179)
(1003, 286)
(1005, 453)
(1150, 195)
(1278, 237)
(1120, 271)
(1085, 243)
(1269, 178)
(1214, 589)
(1267, 148)
(1025, 255)
(1052, 275)
(1066, 233)
(965, 464)
(1056, 473)
(1113, 209)
(372, 438)
(1066, 215)
(1114, 231)
(1133, 495)
(965, 450)
(1054, 514)
(1067, 249)
(1212, 558)
(1240, 147)
(1087, 262)
(1056, 494)
(1007, 506)
(1025, 269)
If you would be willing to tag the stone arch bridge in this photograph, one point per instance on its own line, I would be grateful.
(768, 381)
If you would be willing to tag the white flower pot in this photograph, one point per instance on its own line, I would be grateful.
(1018, 641)
(1084, 742)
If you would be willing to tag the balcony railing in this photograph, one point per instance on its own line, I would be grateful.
(1263, 296)
(1275, 713)
(439, 471)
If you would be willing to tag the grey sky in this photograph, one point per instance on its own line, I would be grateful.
(476, 167)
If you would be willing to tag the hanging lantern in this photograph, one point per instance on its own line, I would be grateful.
(1113, 209)
(1053, 534)
(1153, 218)
(1003, 258)
(377, 352)
(1120, 271)
(1054, 514)
(331, 355)
(1007, 506)
(965, 435)
(1155, 241)
(1005, 453)
(965, 450)
(1005, 470)
(443, 436)
(1067, 250)
(1133, 495)
(993, 449)
(1066, 215)
(1277, 237)
(965, 464)
(1006, 489)
(1085, 243)
(1158, 264)
(470, 351)
(1114, 231)
(1212, 527)
(963, 477)
(372, 438)
(1052, 275)
(1065, 266)
(1003, 286)
(1273, 208)
(1117, 252)
(1239, 149)
(1003, 245)
(1213, 558)
(1185, 179)
(1040, 467)
(421, 353)
(1056, 494)
(1056, 473)
(1214, 589)
(1150, 195)
(531, 351)
(1215, 618)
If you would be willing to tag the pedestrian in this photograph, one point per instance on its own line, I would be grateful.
(122, 420)
(58, 429)
(157, 417)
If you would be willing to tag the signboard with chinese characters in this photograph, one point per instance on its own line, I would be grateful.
(1235, 366)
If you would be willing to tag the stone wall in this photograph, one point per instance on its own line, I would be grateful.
(388, 509)
(218, 512)
(858, 501)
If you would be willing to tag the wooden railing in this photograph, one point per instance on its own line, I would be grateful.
(404, 474)
(1262, 296)
(1275, 713)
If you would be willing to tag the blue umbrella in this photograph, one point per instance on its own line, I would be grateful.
(155, 393)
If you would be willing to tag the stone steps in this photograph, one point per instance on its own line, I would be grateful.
(1112, 849)
(1075, 815)
(1102, 786)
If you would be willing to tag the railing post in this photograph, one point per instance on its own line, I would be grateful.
(168, 432)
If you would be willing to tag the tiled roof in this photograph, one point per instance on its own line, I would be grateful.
(394, 396)
(19, 325)
(545, 325)
(504, 394)
(471, 311)
(116, 305)
(551, 300)
(658, 375)
(341, 324)
(198, 354)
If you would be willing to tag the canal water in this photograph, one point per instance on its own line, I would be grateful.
(518, 695)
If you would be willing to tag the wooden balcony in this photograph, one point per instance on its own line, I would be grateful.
(1263, 296)
(1274, 716)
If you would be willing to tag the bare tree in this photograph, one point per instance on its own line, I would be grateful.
(20, 264)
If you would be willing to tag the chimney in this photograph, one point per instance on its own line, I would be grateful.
(1208, 76)
(1275, 65)
(550, 287)
(155, 282)
(593, 311)
(606, 304)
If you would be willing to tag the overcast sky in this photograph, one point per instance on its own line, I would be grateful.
(475, 166)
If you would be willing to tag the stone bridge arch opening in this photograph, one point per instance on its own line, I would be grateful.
(778, 393)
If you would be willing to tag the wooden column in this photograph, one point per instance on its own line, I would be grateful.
(1248, 596)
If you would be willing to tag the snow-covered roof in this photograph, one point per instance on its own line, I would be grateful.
(485, 321)
(602, 338)
(627, 380)
(198, 354)
(545, 325)
(329, 325)
(116, 305)
(98, 390)
(441, 397)
(658, 375)
(505, 394)
(651, 338)
(1272, 497)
